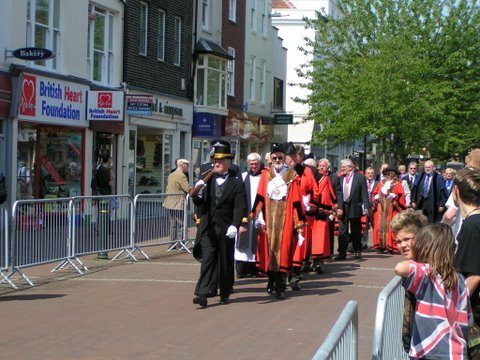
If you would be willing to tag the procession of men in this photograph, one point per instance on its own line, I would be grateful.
(278, 220)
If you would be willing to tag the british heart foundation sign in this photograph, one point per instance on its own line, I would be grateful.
(48, 100)
(105, 105)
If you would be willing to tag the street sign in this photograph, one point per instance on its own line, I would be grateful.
(33, 54)
(283, 119)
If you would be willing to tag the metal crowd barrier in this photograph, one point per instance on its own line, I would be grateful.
(40, 233)
(342, 341)
(156, 223)
(4, 246)
(387, 336)
(101, 224)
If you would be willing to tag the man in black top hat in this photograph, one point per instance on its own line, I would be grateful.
(222, 206)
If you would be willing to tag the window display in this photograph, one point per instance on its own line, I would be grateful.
(153, 163)
(50, 161)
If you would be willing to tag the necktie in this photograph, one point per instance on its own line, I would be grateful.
(426, 185)
(346, 188)
(222, 176)
(369, 188)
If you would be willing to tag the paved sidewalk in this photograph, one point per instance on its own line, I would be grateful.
(144, 310)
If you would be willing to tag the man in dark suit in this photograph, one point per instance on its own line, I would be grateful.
(429, 193)
(352, 204)
(411, 175)
(221, 198)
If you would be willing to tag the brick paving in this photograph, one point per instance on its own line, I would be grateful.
(144, 310)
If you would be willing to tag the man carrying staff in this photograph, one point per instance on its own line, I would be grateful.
(279, 214)
(221, 199)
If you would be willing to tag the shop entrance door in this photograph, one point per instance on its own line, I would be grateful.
(104, 145)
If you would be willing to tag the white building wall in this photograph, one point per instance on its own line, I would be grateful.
(72, 53)
(214, 30)
(291, 25)
(268, 47)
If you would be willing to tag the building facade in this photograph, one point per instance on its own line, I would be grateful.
(158, 67)
(51, 142)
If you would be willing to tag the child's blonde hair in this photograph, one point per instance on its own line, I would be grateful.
(434, 245)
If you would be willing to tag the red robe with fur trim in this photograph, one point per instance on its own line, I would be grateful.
(275, 246)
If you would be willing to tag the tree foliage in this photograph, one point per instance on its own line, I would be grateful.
(403, 72)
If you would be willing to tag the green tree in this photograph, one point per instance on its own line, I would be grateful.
(405, 72)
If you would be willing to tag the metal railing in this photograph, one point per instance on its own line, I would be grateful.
(40, 233)
(101, 224)
(387, 336)
(342, 341)
(160, 219)
(5, 246)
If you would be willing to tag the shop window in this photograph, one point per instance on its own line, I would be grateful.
(211, 81)
(153, 163)
(50, 162)
(100, 55)
(43, 28)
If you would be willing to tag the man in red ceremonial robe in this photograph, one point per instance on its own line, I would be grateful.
(320, 226)
(388, 198)
(279, 215)
(310, 195)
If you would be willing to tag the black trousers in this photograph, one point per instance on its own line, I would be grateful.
(277, 281)
(349, 229)
(218, 264)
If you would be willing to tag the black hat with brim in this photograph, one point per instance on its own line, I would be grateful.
(221, 150)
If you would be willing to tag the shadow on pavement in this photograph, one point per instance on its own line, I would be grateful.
(30, 297)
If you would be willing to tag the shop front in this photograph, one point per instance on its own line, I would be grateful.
(5, 101)
(250, 135)
(206, 127)
(105, 113)
(49, 125)
(158, 135)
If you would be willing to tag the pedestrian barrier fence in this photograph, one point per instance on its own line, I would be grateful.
(387, 336)
(342, 341)
(160, 219)
(40, 233)
(4, 244)
(101, 224)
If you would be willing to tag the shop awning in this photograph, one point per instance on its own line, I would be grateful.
(204, 46)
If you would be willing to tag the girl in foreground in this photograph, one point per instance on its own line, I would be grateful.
(442, 312)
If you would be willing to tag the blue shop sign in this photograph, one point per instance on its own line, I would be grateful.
(206, 125)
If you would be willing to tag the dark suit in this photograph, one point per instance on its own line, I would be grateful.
(353, 208)
(331, 223)
(409, 181)
(437, 196)
(220, 207)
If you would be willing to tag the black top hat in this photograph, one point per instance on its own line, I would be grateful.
(277, 148)
(289, 148)
(221, 150)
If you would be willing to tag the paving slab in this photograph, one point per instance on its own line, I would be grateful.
(144, 310)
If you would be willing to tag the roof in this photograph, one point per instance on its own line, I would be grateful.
(282, 4)
(204, 46)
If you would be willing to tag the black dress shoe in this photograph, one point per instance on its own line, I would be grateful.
(358, 255)
(339, 257)
(319, 270)
(269, 290)
(200, 300)
(295, 286)
(281, 295)
(224, 301)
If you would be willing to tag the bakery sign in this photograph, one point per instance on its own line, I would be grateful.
(48, 100)
(105, 105)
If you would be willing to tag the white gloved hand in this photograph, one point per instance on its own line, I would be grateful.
(259, 223)
(200, 183)
(301, 239)
(306, 201)
(376, 197)
(231, 232)
(391, 196)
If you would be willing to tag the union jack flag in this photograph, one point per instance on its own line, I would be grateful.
(441, 318)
